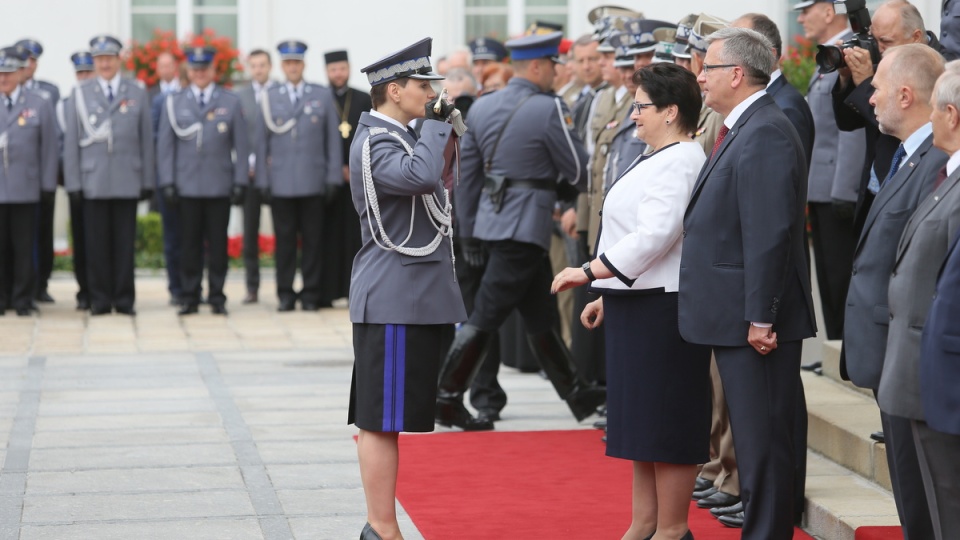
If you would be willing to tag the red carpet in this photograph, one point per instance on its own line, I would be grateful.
(511, 485)
(879, 533)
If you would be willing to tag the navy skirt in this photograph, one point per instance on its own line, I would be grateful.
(395, 375)
(658, 385)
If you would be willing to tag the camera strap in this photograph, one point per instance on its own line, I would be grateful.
(493, 151)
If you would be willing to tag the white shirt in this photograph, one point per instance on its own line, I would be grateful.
(774, 76)
(953, 163)
(14, 96)
(621, 91)
(738, 111)
(295, 91)
(914, 141)
(640, 240)
(385, 118)
(169, 87)
(258, 89)
(113, 84)
(206, 92)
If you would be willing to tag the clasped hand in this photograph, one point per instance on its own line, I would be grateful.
(764, 340)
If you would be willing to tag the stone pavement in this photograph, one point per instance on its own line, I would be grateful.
(203, 427)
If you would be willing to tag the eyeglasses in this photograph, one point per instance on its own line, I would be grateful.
(639, 107)
(708, 67)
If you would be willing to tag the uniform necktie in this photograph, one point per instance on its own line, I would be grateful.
(200, 100)
(9, 103)
(110, 93)
(941, 176)
(720, 136)
(875, 185)
(412, 132)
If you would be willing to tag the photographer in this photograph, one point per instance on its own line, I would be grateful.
(895, 23)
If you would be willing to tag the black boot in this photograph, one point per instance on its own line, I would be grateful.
(554, 357)
(459, 368)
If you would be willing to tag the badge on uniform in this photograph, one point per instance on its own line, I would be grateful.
(568, 120)
(210, 115)
(314, 119)
(308, 109)
(21, 121)
(123, 108)
(613, 124)
(93, 119)
(222, 127)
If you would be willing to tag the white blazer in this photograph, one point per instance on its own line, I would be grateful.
(642, 220)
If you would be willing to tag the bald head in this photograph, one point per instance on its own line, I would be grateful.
(914, 66)
(897, 22)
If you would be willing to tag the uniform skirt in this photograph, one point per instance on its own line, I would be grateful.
(658, 385)
(395, 375)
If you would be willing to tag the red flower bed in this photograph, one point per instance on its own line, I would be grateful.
(267, 245)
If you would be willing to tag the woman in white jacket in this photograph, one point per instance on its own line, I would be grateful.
(658, 386)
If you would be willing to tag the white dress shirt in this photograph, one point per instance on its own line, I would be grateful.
(206, 92)
(169, 87)
(113, 84)
(295, 91)
(953, 163)
(738, 111)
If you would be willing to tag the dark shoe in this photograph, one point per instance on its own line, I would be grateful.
(369, 534)
(459, 369)
(877, 436)
(24, 312)
(174, 301)
(187, 309)
(203, 299)
(702, 484)
(218, 309)
(99, 310)
(488, 415)
(309, 306)
(44, 296)
(697, 495)
(251, 297)
(812, 366)
(732, 520)
(556, 361)
(452, 413)
(127, 310)
(726, 511)
(600, 424)
(718, 500)
(287, 305)
(584, 400)
(83, 304)
(602, 410)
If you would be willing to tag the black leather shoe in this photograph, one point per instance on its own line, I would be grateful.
(600, 424)
(83, 304)
(126, 310)
(287, 305)
(584, 400)
(732, 520)
(251, 297)
(24, 312)
(369, 534)
(812, 366)
(44, 296)
(218, 309)
(878, 436)
(187, 309)
(174, 301)
(697, 495)
(309, 306)
(452, 413)
(718, 500)
(702, 484)
(489, 415)
(99, 310)
(726, 511)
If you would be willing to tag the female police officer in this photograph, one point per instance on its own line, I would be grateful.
(404, 299)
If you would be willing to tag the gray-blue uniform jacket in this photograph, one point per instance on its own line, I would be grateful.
(539, 143)
(207, 169)
(47, 90)
(624, 149)
(308, 158)
(28, 149)
(117, 166)
(387, 287)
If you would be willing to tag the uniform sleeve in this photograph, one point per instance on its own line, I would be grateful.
(71, 146)
(851, 153)
(147, 148)
(565, 146)
(241, 140)
(49, 148)
(166, 148)
(396, 172)
(467, 193)
(334, 143)
(767, 186)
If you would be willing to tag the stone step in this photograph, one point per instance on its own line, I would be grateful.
(831, 366)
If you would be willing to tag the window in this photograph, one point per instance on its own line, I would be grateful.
(183, 17)
(218, 15)
(150, 15)
(552, 11)
(487, 18)
(502, 19)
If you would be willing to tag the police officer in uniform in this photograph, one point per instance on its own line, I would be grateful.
(51, 94)
(108, 160)
(519, 152)
(485, 51)
(708, 126)
(28, 168)
(201, 130)
(299, 159)
(83, 67)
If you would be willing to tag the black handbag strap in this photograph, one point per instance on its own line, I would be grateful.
(493, 151)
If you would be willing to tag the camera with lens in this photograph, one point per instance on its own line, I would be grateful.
(830, 57)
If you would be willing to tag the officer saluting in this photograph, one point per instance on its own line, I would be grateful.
(520, 151)
(201, 130)
(28, 167)
(299, 159)
(108, 159)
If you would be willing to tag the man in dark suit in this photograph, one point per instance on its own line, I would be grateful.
(744, 285)
(928, 234)
(168, 71)
(902, 86)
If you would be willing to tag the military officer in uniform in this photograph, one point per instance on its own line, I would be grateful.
(710, 121)
(485, 51)
(520, 151)
(108, 160)
(201, 130)
(83, 67)
(28, 172)
(299, 160)
(342, 237)
(51, 94)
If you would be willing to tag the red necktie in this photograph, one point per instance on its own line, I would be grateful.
(941, 176)
(720, 136)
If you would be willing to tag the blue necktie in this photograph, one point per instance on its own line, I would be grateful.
(110, 93)
(200, 100)
(874, 185)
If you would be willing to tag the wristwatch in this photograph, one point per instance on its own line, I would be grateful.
(588, 271)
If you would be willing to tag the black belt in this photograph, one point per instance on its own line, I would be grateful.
(546, 185)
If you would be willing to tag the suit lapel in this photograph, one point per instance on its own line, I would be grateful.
(924, 209)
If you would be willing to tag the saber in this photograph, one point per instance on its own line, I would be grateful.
(437, 105)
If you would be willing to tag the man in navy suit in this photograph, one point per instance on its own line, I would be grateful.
(744, 285)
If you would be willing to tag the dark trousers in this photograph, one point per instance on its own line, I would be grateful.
(110, 228)
(342, 227)
(251, 239)
(203, 220)
(906, 477)
(77, 226)
(834, 242)
(18, 234)
(171, 246)
(761, 394)
(485, 390)
(517, 276)
(299, 218)
(587, 346)
(45, 245)
(938, 453)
